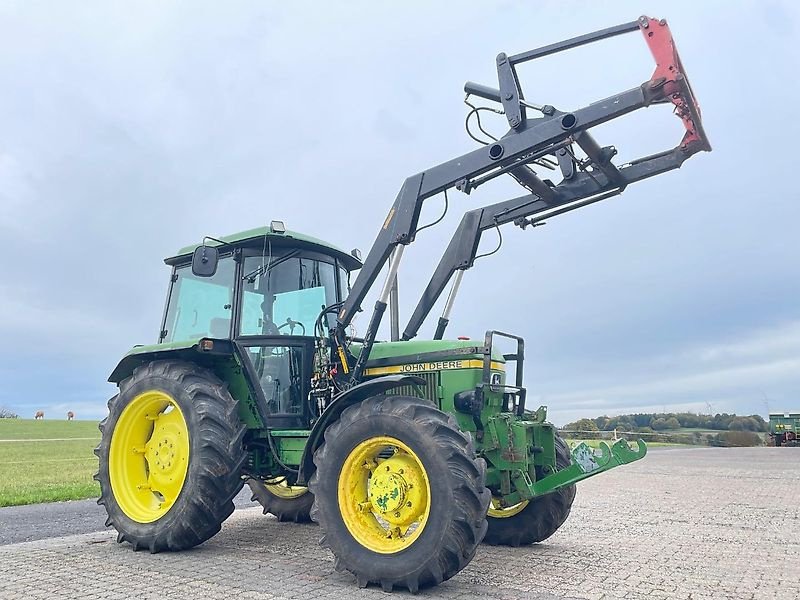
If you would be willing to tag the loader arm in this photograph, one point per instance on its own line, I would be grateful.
(553, 134)
(582, 190)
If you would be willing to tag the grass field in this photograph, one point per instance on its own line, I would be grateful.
(692, 430)
(47, 461)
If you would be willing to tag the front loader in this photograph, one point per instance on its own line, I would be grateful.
(408, 453)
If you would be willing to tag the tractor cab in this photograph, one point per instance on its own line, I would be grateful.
(264, 289)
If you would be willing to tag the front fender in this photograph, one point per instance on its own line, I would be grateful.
(356, 394)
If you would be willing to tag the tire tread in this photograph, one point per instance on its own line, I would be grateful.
(471, 498)
(219, 459)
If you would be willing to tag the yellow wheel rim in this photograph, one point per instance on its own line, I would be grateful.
(283, 490)
(149, 456)
(384, 495)
(497, 511)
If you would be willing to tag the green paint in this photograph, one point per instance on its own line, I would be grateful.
(243, 237)
(178, 345)
(227, 368)
(587, 462)
(290, 447)
(783, 422)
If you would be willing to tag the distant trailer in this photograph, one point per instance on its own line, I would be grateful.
(784, 428)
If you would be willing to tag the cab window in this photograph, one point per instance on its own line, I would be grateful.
(284, 295)
(200, 306)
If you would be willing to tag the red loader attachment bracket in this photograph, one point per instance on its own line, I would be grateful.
(669, 73)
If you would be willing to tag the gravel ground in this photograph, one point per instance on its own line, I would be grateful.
(689, 523)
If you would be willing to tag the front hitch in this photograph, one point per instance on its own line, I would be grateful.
(586, 463)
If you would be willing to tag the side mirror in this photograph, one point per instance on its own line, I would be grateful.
(204, 261)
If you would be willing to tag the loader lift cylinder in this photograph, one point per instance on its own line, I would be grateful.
(444, 320)
(377, 315)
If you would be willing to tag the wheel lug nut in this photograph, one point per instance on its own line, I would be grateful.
(397, 514)
(408, 504)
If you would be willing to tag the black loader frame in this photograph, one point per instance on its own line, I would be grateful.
(528, 141)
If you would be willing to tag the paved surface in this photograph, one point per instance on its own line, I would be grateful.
(55, 519)
(691, 524)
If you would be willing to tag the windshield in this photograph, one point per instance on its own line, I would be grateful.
(200, 306)
(284, 295)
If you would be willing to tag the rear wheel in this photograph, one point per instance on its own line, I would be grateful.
(532, 521)
(170, 456)
(399, 494)
(287, 502)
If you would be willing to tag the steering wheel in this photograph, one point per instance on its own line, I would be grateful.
(292, 324)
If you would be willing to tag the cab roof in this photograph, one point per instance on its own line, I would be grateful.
(255, 237)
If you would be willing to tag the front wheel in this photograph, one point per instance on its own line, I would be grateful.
(532, 521)
(399, 494)
(170, 455)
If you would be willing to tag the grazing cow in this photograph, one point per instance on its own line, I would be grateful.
(39, 414)
(70, 416)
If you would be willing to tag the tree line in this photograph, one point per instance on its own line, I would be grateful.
(649, 422)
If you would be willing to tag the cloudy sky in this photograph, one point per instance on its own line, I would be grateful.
(128, 130)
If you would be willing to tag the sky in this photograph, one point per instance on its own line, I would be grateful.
(128, 131)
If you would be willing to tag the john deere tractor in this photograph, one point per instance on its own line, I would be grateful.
(408, 453)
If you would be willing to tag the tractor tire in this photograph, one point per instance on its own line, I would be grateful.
(392, 463)
(288, 503)
(537, 519)
(171, 456)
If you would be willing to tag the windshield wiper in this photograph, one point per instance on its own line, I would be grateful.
(268, 267)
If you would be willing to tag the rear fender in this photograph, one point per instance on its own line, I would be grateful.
(222, 357)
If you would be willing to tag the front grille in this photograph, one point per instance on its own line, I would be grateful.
(428, 390)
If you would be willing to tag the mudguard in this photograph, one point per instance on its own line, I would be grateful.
(354, 395)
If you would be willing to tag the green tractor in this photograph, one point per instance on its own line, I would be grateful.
(408, 453)
(784, 429)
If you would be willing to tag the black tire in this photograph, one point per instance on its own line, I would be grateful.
(458, 498)
(541, 517)
(216, 457)
(297, 510)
